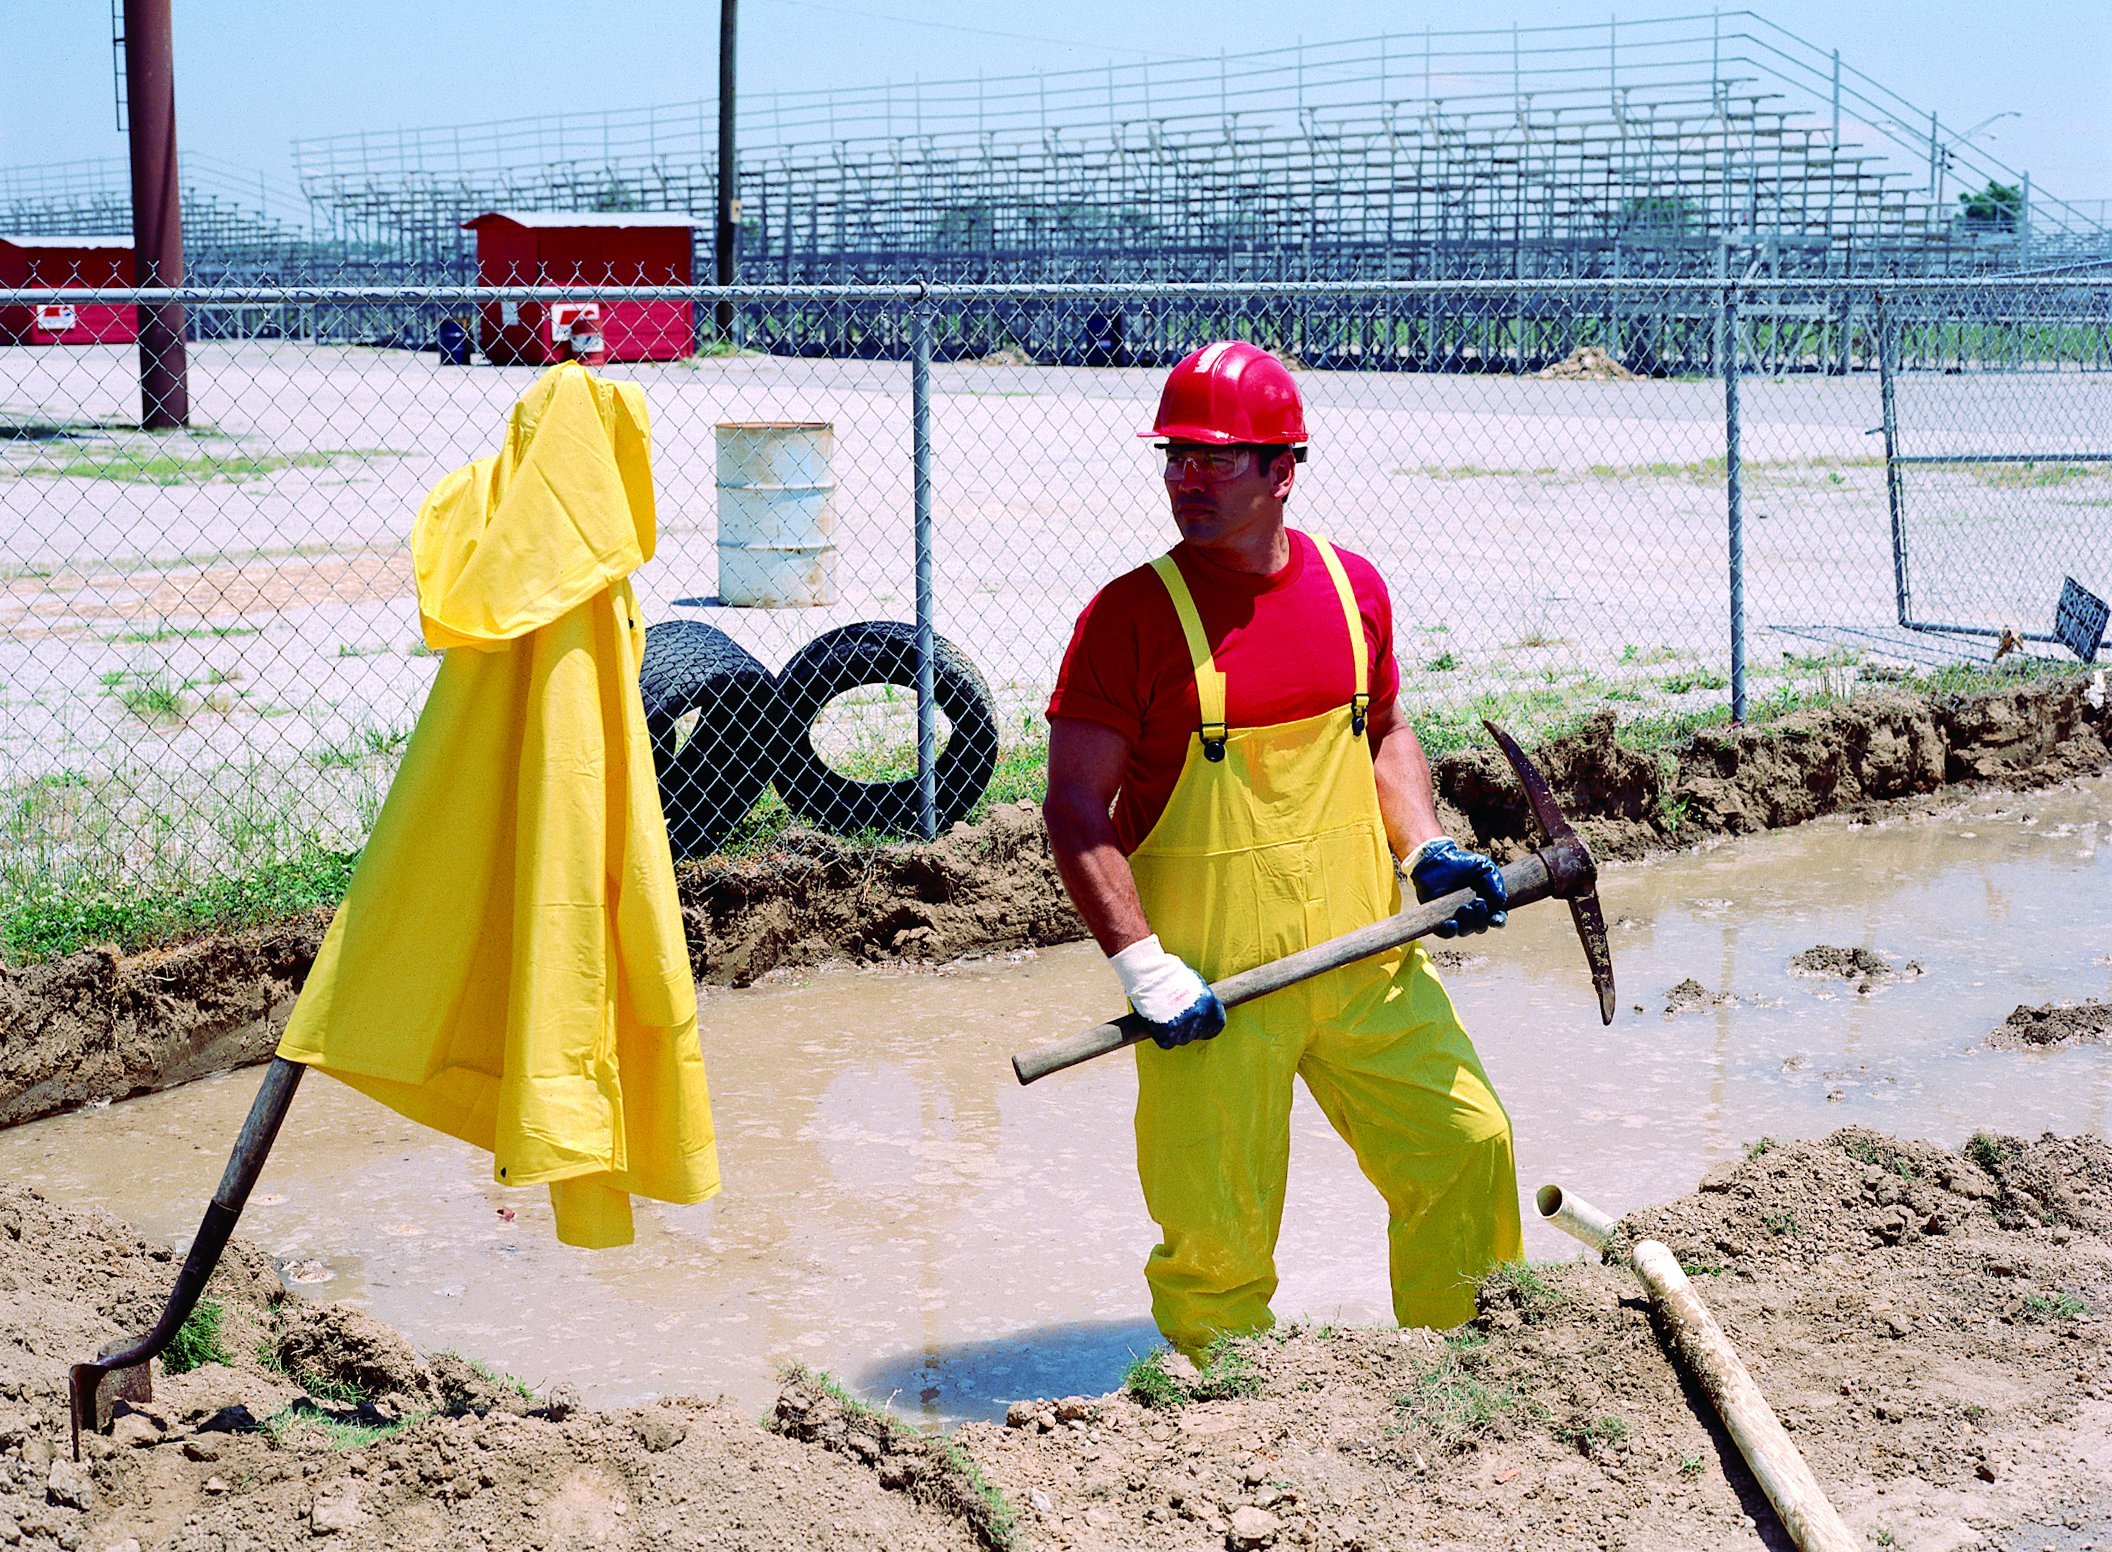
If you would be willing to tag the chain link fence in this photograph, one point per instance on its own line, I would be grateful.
(1677, 499)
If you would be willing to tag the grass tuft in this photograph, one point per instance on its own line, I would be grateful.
(2041, 1308)
(338, 1433)
(1521, 1286)
(1990, 1152)
(1453, 1408)
(1228, 1372)
(197, 1341)
(1593, 1437)
(1148, 1384)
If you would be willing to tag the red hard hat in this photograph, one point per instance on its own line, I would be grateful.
(1230, 392)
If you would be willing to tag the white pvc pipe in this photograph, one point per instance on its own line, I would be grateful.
(1574, 1216)
(1778, 1466)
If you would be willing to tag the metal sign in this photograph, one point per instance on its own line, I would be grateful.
(2079, 620)
(566, 318)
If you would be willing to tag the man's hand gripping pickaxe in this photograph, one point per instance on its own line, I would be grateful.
(1561, 868)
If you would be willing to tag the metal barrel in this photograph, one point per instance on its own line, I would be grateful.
(777, 513)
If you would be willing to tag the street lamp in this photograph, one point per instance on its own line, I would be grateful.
(2006, 113)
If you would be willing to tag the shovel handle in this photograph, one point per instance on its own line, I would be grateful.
(1560, 868)
(85, 1381)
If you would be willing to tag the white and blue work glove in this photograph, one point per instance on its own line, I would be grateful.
(1176, 1002)
(1441, 865)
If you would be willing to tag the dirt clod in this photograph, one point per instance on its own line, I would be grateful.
(1690, 996)
(1866, 970)
(2056, 1024)
(344, 1353)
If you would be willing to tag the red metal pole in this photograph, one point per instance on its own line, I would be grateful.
(157, 212)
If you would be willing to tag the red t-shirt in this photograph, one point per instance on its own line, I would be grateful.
(1279, 640)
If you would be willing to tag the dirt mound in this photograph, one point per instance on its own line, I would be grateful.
(814, 1411)
(979, 887)
(335, 1348)
(1588, 363)
(1690, 996)
(2030, 1029)
(1740, 780)
(97, 1025)
(1942, 1386)
(235, 1453)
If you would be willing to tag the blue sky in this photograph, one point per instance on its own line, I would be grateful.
(252, 76)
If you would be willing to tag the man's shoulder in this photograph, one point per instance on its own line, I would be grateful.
(1364, 577)
(1135, 589)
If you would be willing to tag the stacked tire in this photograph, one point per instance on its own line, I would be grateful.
(724, 728)
(712, 712)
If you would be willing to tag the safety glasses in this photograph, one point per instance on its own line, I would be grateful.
(1212, 463)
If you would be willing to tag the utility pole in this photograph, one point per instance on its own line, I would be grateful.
(724, 267)
(157, 212)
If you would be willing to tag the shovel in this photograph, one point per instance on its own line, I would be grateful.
(1560, 868)
(119, 1372)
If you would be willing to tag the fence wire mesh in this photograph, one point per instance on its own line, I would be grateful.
(210, 651)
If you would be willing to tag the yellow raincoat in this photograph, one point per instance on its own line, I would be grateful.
(509, 965)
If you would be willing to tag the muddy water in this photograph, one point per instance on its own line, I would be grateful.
(898, 1211)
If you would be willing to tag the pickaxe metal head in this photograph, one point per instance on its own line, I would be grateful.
(1577, 874)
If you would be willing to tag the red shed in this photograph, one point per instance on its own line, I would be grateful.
(584, 249)
(67, 261)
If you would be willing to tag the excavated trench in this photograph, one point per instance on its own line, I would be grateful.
(100, 1025)
(899, 1211)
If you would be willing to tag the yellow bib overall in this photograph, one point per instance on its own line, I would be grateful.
(1272, 841)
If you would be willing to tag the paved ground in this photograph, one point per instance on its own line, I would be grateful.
(1546, 537)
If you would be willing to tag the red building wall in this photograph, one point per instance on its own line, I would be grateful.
(55, 262)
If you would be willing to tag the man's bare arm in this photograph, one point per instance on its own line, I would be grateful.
(1086, 761)
(1407, 802)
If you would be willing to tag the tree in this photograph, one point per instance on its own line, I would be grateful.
(1657, 212)
(1999, 207)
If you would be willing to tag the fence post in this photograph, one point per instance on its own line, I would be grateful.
(1888, 423)
(920, 454)
(1734, 492)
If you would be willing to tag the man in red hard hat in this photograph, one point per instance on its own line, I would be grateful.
(1230, 781)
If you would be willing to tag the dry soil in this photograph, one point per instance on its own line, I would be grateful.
(1931, 1326)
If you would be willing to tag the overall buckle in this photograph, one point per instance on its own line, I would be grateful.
(1214, 736)
(1359, 712)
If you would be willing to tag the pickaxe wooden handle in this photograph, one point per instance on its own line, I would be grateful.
(1562, 868)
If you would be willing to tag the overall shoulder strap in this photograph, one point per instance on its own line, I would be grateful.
(1359, 649)
(1209, 683)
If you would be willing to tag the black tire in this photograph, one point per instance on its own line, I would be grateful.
(882, 652)
(710, 779)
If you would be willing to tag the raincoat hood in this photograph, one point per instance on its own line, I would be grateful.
(562, 511)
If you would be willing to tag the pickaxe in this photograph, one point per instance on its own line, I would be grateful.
(1562, 867)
